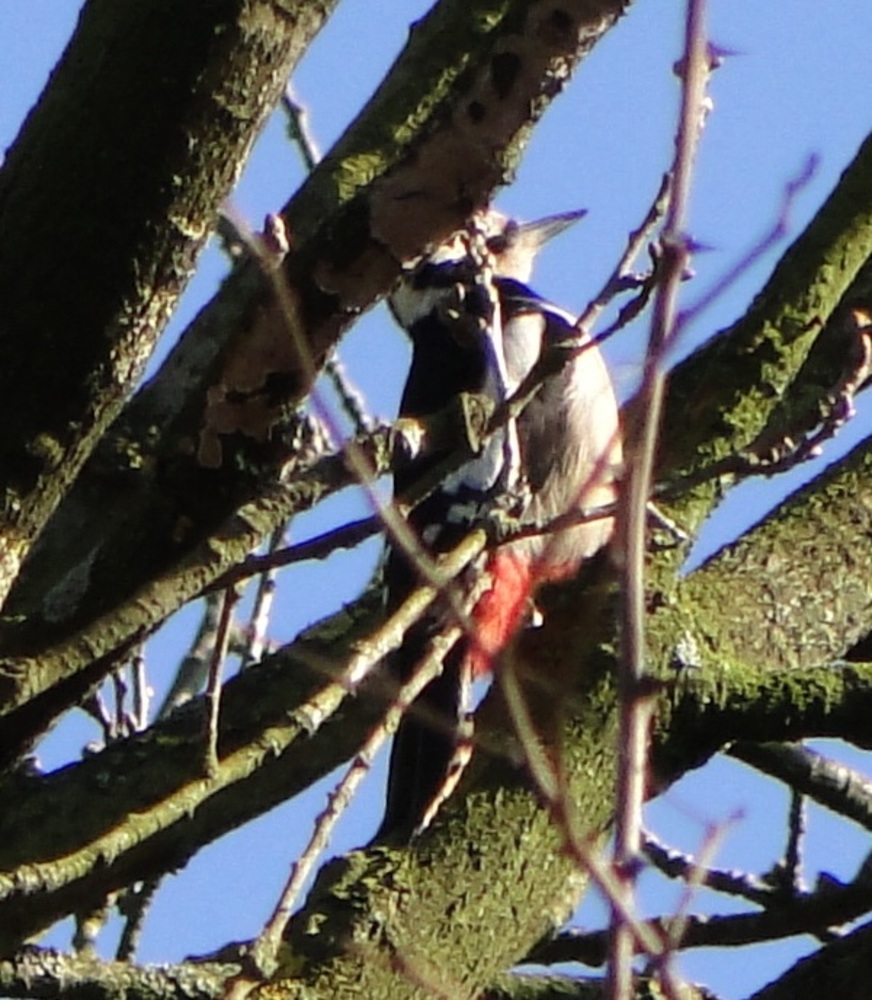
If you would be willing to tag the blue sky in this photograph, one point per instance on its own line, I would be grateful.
(797, 85)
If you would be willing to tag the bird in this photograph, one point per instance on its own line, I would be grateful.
(476, 326)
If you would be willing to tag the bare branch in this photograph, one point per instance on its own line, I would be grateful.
(833, 785)
(676, 864)
(816, 914)
(39, 972)
(621, 280)
(298, 129)
(643, 427)
(213, 682)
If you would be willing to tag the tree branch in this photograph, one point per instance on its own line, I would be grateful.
(103, 275)
(815, 914)
(725, 394)
(831, 784)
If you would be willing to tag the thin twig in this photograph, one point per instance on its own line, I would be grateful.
(133, 907)
(814, 913)
(368, 652)
(351, 400)
(621, 279)
(501, 530)
(95, 706)
(674, 935)
(792, 864)
(119, 697)
(213, 684)
(142, 692)
(677, 864)
(194, 666)
(768, 456)
(641, 439)
(261, 609)
(88, 927)
(321, 546)
(298, 129)
(350, 397)
(133, 904)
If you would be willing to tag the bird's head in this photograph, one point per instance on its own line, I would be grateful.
(508, 246)
(513, 245)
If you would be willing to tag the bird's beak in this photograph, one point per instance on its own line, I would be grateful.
(534, 235)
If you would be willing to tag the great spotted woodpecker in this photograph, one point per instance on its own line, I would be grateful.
(475, 326)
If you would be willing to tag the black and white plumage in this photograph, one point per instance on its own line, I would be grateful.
(477, 332)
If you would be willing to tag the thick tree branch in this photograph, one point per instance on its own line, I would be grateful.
(843, 969)
(102, 221)
(42, 973)
(793, 591)
(723, 397)
(38, 972)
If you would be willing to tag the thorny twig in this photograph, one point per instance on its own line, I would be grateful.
(621, 279)
(641, 438)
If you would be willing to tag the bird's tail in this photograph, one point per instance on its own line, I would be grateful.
(430, 748)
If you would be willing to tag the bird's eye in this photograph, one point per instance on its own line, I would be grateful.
(497, 244)
(504, 241)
